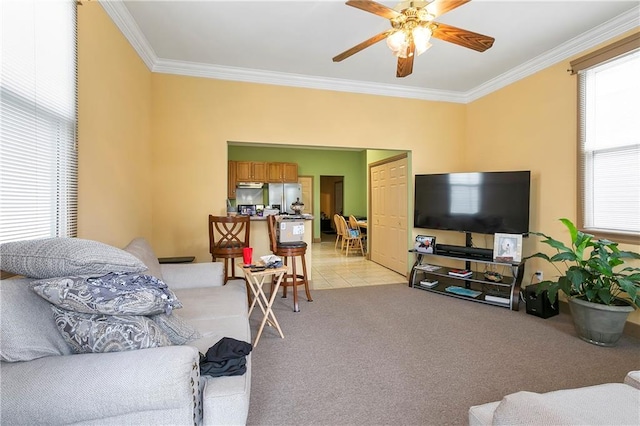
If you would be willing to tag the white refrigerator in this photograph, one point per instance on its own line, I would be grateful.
(284, 194)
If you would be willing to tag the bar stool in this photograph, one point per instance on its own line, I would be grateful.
(228, 235)
(286, 251)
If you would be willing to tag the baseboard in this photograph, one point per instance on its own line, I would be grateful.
(630, 328)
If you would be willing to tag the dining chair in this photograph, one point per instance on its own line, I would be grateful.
(352, 238)
(228, 235)
(354, 224)
(339, 232)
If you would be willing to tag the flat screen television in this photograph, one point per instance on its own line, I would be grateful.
(484, 202)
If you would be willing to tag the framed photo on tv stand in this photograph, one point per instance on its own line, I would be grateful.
(507, 247)
(425, 244)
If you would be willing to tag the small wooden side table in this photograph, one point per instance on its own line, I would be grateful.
(179, 259)
(256, 280)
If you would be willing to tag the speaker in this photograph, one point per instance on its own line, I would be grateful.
(538, 304)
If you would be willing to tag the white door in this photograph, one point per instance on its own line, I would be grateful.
(388, 222)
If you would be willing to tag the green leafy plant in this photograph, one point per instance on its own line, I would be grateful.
(590, 269)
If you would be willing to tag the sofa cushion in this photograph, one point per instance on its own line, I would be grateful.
(88, 333)
(140, 248)
(214, 302)
(27, 329)
(179, 331)
(633, 379)
(115, 293)
(572, 406)
(214, 329)
(59, 257)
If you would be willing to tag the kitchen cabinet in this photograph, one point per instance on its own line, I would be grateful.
(282, 172)
(251, 171)
(231, 180)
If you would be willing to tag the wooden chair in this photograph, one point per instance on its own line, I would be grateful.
(339, 232)
(353, 224)
(351, 239)
(228, 235)
(286, 251)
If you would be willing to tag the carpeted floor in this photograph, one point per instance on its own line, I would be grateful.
(391, 354)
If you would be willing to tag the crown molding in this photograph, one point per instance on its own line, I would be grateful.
(120, 15)
(192, 69)
(127, 25)
(600, 34)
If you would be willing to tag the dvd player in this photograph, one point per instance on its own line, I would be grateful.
(464, 251)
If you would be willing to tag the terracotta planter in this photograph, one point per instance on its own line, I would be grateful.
(599, 324)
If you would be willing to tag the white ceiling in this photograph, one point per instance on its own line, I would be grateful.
(292, 42)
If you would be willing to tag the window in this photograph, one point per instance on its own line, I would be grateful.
(609, 133)
(38, 159)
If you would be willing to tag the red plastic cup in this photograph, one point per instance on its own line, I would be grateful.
(247, 255)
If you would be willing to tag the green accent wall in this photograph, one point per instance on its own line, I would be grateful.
(352, 164)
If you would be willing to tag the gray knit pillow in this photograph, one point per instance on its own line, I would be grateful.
(59, 257)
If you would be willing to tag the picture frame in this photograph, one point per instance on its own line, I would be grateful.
(425, 244)
(507, 248)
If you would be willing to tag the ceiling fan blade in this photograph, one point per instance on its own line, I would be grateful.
(375, 8)
(462, 37)
(405, 65)
(363, 45)
(440, 7)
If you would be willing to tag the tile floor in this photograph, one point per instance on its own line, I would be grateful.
(332, 269)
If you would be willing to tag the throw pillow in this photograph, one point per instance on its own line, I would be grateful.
(27, 330)
(116, 293)
(59, 257)
(179, 331)
(141, 249)
(87, 333)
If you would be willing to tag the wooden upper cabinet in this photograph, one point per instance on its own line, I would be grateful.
(282, 172)
(290, 172)
(274, 172)
(251, 171)
(231, 180)
(259, 171)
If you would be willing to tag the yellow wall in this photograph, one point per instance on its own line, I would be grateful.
(194, 118)
(153, 146)
(532, 125)
(114, 145)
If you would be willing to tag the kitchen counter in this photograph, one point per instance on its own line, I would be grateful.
(285, 217)
(259, 240)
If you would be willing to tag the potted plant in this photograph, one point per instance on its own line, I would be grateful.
(600, 293)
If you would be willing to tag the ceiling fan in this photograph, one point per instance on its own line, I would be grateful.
(412, 25)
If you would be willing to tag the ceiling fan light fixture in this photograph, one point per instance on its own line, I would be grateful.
(398, 42)
(424, 15)
(421, 36)
(412, 26)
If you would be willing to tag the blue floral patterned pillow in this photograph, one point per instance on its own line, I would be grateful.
(116, 293)
(91, 333)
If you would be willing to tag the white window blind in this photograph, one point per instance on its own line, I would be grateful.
(38, 158)
(610, 145)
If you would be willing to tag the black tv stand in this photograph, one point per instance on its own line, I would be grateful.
(436, 267)
(475, 252)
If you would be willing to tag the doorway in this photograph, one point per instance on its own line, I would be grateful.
(331, 201)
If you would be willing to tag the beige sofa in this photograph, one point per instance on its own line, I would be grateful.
(605, 404)
(44, 383)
